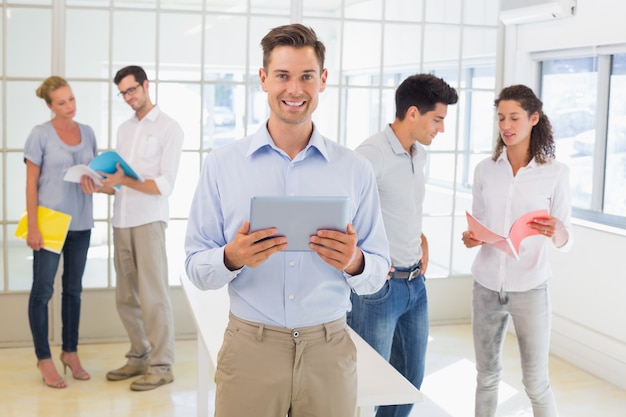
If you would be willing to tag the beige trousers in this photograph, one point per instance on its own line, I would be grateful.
(267, 371)
(142, 295)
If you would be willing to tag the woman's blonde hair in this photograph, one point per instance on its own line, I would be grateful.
(49, 85)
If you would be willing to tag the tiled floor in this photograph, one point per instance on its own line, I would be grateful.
(448, 387)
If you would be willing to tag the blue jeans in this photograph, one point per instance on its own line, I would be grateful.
(530, 311)
(394, 321)
(45, 265)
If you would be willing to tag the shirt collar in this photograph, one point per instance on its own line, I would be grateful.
(152, 114)
(396, 146)
(262, 139)
(503, 157)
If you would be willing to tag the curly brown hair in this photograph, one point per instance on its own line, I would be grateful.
(541, 139)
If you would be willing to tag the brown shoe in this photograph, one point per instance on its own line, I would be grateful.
(151, 381)
(126, 371)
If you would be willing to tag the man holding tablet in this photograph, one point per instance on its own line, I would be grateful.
(286, 349)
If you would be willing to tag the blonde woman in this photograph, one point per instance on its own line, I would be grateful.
(50, 149)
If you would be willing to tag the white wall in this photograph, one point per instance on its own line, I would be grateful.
(589, 284)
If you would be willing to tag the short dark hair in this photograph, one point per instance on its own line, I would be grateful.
(423, 91)
(541, 139)
(296, 35)
(134, 70)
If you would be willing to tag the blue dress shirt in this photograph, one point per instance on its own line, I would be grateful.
(290, 289)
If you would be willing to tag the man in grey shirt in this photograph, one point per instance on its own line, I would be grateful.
(394, 320)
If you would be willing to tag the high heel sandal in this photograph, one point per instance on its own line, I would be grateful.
(59, 383)
(81, 375)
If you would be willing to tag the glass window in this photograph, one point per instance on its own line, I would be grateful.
(227, 59)
(180, 41)
(359, 67)
(615, 172)
(569, 93)
(405, 10)
(402, 59)
(91, 99)
(589, 130)
(364, 9)
(87, 56)
(444, 11)
(28, 55)
(134, 33)
(222, 114)
(25, 111)
(183, 103)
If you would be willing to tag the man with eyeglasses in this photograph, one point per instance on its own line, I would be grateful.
(151, 142)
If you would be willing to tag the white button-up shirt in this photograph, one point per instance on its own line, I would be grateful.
(152, 147)
(499, 198)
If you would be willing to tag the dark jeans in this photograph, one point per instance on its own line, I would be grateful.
(45, 265)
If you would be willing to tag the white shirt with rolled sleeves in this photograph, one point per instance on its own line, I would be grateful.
(499, 198)
(152, 146)
(290, 289)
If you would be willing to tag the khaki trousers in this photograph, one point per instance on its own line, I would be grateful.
(267, 371)
(142, 295)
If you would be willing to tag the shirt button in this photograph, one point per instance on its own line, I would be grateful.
(291, 296)
(292, 264)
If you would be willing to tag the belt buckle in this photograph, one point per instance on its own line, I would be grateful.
(414, 274)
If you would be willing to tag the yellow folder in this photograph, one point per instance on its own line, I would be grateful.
(53, 226)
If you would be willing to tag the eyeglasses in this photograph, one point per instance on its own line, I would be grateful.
(129, 91)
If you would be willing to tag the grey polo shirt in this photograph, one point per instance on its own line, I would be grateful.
(401, 186)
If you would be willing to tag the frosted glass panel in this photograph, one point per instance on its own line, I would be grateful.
(224, 106)
(92, 104)
(444, 11)
(19, 262)
(28, 42)
(180, 51)
(226, 57)
(188, 173)
(361, 52)
(87, 56)
(183, 4)
(441, 45)
(408, 10)
(16, 187)
(275, 7)
(26, 111)
(326, 117)
(361, 118)
(134, 38)
(182, 102)
(175, 247)
(401, 56)
(364, 9)
(481, 12)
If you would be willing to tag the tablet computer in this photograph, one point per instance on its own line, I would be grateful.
(298, 218)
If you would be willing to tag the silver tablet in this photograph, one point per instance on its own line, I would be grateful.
(298, 218)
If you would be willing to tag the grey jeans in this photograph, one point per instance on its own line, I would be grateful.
(531, 314)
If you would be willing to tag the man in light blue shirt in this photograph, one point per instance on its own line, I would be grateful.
(286, 349)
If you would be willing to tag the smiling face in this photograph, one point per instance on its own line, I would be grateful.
(63, 102)
(292, 80)
(515, 123)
